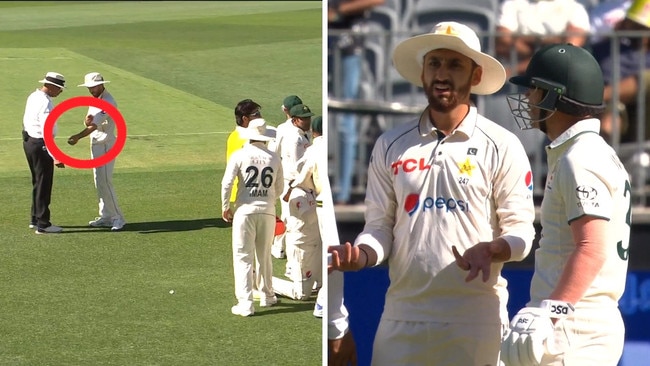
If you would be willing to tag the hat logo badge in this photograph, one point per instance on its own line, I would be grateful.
(449, 31)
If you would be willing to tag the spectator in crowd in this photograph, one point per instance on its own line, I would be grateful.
(346, 17)
(526, 25)
(605, 16)
(634, 57)
(449, 178)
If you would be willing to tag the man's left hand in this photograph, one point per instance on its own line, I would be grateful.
(479, 258)
(530, 331)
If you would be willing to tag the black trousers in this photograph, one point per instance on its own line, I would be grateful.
(41, 165)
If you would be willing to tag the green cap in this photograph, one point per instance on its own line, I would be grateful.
(301, 111)
(572, 67)
(317, 125)
(290, 101)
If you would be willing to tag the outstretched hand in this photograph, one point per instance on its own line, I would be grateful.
(480, 257)
(346, 257)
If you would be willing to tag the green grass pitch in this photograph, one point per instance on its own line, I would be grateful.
(177, 69)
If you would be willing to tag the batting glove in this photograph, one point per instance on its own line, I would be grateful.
(529, 333)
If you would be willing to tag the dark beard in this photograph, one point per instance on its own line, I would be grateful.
(448, 105)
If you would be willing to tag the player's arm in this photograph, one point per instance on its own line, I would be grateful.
(515, 209)
(90, 127)
(341, 346)
(591, 238)
(372, 246)
(279, 180)
(227, 183)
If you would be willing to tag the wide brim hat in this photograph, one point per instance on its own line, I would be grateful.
(257, 130)
(408, 56)
(54, 78)
(639, 12)
(93, 79)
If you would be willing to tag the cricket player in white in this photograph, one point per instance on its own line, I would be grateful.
(294, 143)
(305, 200)
(278, 249)
(101, 128)
(304, 246)
(449, 179)
(260, 181)
(580, 267)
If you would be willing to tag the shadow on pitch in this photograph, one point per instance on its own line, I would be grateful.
(285, 306)
(152, 227)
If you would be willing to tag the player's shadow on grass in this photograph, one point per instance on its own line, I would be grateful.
(285, 306)
(152, 227)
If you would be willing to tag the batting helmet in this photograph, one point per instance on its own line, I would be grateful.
(571, 79)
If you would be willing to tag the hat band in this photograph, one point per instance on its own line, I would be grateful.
(55, 80)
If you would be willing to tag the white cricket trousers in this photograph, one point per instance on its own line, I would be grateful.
(252, 235)
(103, 175)
(278, 240)
(440, 344)
(590, 337)
(304, 247)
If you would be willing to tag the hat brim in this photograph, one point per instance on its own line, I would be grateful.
(268, 135)
(94, 83)
(44, 81)
(409, 54)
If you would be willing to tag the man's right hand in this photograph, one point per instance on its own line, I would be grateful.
(347, 257)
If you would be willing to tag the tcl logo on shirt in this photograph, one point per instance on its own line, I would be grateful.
(409, 165)
(412, 203)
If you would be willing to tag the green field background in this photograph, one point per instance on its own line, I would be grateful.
(177, 69)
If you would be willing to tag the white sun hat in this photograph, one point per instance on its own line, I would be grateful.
(54, 78)
(409, 55)
(257, 130)
(93, 79)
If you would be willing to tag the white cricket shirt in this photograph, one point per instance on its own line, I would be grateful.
(585, 178)
(275, 145)
(37, 108)
(292, 147)
(426, 194)
(259, 179)
(105, 132)
(542, 18)
(312, 161)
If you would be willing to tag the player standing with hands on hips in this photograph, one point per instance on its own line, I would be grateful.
(101, 128)
(450, 178)
(572, 317)
(259, 178)
(41, 163)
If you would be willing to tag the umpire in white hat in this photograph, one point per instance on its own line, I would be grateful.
(41, 163)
